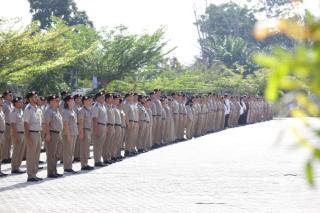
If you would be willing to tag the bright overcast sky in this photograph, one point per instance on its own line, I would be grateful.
(141, 15)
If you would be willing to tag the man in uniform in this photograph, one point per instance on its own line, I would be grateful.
(2, 130)
(132, 125)
(77, 107)
(32, 130)
(157, 111)
(17, 130)
(7, 108)
(85, 131)
(99, 123)
(108, 146)
(226, 110)
(118, 130)
(53, 126)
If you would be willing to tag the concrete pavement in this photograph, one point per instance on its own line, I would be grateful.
(242, 169)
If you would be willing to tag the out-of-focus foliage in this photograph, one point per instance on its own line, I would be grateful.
(295, 77)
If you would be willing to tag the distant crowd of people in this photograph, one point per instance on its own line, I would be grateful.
(116, 125)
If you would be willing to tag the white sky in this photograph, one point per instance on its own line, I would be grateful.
(142, 15)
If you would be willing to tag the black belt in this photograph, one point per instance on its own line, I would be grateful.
(146, 121)
(20, 132)
(110, 124)
(35, 131)
(118, 125)
(87, 129)
(176, 113)
(8, 124)
(1, 132)
(54, 131)
(133, 121)
(101, 124)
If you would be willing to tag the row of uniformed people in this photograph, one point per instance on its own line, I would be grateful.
(136, 124)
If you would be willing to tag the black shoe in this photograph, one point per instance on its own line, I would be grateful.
(87, 168)
(99, 164)
(53, 176)
(5, 161)
(39, 178)
(41, 162)
(17, 171)
(40, 167)
(3, 174)
(107, 162)
(59, 175)
(32, 180)
(76, 160)
(70, 171)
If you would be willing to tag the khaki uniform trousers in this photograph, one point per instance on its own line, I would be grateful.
(52, 152)
(98, 142)
(77, 148)
(116, 149)
(109, 143)
(142, 135)
(18, 152)
(68, 151)
(1, 147)
(176, 125)
(85, 147)
(189, 129)
(33, 154)
(6, 148)
(131, 137)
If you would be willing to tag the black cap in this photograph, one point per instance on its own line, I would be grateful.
(86, 97)
(108, 95)
(52, 97)
(7, 92)
(116, 96)
(30, 94)
(77, 96)
(67, 98)
(151, 93)
(42, 98)
(63, 93)
(128, 94)
(99, 94)
(16, 99)
(157, 90)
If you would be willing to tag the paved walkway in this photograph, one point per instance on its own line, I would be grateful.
(237, 170)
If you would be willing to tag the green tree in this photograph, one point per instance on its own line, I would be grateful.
(226, 35)
(30, 52)
(43, 10)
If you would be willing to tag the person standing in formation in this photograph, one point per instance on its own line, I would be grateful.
(136, 125)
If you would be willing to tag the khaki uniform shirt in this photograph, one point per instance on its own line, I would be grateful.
(54, 119)
(2, 121)
(33, 116)
(86, 115)
(100, 113)
(110, 114)
(70, 117)
(16, 117)
(7, 108)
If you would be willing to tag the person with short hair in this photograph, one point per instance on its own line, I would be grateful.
(17, 132)
(32, 129)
